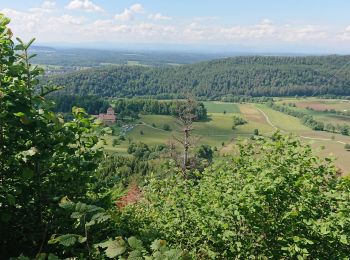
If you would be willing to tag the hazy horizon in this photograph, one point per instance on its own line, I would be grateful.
(270, 26)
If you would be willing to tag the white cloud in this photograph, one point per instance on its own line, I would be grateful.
(69, 19)
(48, 24)
(264, 29)
(46, 7)
(129, 13)
(84, 5)
(43, 25)
(137, 8)
(22, 22)
(158, 17)
(205, 18)
(302, 33)
(345, 35)
(48, 4)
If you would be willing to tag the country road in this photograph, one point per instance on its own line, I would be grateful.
(304, 137)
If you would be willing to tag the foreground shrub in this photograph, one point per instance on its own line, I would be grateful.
(274, 200)
(42, 157)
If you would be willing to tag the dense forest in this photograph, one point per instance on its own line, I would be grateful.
(124, 107)
(92, 104)
(63, 197)
(250, 76)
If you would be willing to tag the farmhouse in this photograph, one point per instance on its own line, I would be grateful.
(109, 118)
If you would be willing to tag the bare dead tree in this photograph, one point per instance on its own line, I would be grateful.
(186, 115)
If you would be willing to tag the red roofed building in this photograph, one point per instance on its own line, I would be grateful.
(109, 118)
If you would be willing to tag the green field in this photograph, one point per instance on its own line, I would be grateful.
(218, 128)
(220, 107)
(324, 143)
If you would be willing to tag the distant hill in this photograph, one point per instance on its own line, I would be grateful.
(79, 57)
(255, 76)
(42, 49)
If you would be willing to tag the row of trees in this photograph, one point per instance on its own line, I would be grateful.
(249, 76)
(127, 107)
(123, 107)
(332, 111)
(309, 121)
(93, 105)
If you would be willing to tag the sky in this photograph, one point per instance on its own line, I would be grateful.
(305, 26)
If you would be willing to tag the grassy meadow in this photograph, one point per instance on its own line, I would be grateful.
(217, 130)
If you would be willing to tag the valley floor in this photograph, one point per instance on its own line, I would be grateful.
(217, 130)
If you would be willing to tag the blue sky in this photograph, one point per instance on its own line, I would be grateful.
(252, 25)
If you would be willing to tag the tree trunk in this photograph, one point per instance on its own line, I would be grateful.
(186, 147)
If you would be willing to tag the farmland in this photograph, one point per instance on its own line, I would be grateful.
(217, 131)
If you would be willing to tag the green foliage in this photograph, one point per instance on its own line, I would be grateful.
(256, 132)
(118, 171)
(139, 150)
(92, 104)
(219, 79)
(116, 142)
(205, 152)
(133, 248)
(273, 200)
(90, 219)
(239, 120)
(42, 158)
(134, 106)
(309, 121)
(142, 151)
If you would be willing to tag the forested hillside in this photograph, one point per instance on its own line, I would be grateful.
(255, 76)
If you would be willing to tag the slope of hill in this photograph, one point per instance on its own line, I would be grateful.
(255, 76)
(79, 57)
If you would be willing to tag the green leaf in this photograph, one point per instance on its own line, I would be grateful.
(173, 254)
(76, 215)
(135, 243)
(30, 42)
(343, 239)
(65, 203)
(296, 239)
(114, 248)
(65, 240)
(82, 239)
(19, 114)
(324, 231)
(135, 255)
(158, 244)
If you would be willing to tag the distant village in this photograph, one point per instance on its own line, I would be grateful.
(108, 119)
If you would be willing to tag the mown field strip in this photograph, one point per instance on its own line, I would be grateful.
(302, 136)
(268, 119)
